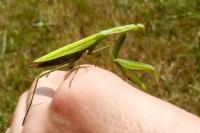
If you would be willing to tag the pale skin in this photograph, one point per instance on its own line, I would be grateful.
(98, 101)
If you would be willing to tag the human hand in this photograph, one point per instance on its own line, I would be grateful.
(97, 102)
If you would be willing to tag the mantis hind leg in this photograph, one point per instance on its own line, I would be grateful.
(75, 70)
(31, 94)
(32, 91)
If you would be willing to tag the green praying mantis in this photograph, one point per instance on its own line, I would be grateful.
(70, 53)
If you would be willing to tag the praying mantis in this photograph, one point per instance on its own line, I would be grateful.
(70, 53)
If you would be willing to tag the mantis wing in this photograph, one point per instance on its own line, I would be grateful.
(70, 49)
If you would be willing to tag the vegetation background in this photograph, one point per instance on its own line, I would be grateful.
(171, 43)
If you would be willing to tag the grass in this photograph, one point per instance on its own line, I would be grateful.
(29, 29)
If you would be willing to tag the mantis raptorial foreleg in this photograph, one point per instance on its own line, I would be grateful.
(127, 66)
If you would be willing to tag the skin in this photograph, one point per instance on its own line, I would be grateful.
(98, 101)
